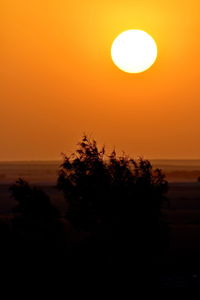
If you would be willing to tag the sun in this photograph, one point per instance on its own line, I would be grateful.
(134, 51)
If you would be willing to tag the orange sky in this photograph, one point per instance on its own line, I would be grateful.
(57, 79)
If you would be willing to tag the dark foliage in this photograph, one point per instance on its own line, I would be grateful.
(114, 207)
(36, 227)
(117, 199)
(32, 201)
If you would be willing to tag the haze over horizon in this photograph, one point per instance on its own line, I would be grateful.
(58, 81)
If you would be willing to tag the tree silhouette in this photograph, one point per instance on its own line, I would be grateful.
(114, 206)
(114, 198)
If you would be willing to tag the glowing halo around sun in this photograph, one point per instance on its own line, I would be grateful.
(134, 51)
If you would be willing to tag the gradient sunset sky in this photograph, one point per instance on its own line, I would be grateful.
(58, 81)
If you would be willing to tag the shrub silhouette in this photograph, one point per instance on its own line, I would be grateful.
(32, 201)
(115, 199)
(36, 223)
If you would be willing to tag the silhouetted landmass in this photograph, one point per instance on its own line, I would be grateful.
(113, 225)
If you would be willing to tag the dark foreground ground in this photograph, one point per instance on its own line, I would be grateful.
(179, 265)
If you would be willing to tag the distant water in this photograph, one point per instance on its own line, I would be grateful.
(178, 164)
(46, 172)
(179, 170)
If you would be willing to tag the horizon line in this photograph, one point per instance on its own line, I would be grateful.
(57, 160)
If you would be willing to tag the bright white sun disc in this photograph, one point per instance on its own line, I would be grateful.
(134, 51)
